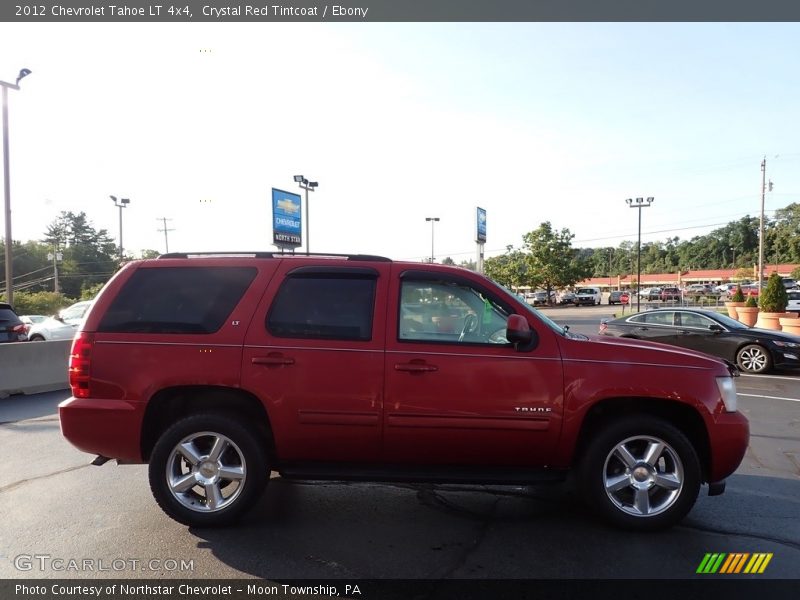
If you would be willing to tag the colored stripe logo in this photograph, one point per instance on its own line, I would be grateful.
(734, 563)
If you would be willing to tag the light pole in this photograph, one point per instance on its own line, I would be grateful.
(308, 186)
(7, 184)
(123, 202)
(639, 203)
(761, 225)
(733, 262)
(432, 220)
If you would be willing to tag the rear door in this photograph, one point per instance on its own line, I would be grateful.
(456, 392)
(314, 355)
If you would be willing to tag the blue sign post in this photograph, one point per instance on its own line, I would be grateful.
(480, 235)
(287, 219)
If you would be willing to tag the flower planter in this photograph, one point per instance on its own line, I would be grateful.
(769, 320)
(790, 324)
(747, 315)
(732, 306)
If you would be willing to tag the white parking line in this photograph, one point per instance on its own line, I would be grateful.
(768, 397)
(770, 377)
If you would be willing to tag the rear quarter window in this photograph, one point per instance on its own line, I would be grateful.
(177, 300)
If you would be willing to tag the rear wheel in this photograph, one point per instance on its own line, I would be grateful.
(36, 338)
(207, 470)
(754, 359)
(641, 473)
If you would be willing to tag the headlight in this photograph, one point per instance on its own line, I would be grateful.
(786, 344)
(727, 391)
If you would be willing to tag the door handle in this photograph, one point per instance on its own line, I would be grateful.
(642, 329)
(415, 367)
(272, 361)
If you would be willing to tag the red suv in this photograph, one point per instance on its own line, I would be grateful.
(216, 370)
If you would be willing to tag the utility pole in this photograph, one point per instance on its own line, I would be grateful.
(761, 225)
(165, 230)
(56, 256)
(639, 203)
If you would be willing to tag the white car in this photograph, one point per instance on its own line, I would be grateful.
(61, 326)
(794, 301)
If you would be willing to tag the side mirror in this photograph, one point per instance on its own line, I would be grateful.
(716, 328)
(519, 333)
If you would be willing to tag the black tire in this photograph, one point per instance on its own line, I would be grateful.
(668, 487)
(754, 359)
(244, 454)
(36, 338)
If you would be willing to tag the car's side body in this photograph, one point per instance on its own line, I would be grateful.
(709, 332)
(372, 369)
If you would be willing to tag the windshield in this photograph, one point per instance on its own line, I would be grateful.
(586, 291)
(730, 323)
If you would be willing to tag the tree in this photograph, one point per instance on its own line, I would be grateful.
(774, 297)
(508, 269)
(89, 255)
(448, 261)
(552, 262)
(469, 264)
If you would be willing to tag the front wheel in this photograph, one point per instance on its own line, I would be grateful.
(207, 470)
(754, 359)
(641, 473)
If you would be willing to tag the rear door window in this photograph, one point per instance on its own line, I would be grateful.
(324, 306)
(177, 300)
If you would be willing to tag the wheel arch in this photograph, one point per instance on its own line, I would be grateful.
(170, 404)
(679, 415)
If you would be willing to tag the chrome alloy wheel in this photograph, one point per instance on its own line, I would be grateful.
(206, 472)
(753, 359)
(643, 476)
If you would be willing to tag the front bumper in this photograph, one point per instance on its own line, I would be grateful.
(110, 428)
(729, 436)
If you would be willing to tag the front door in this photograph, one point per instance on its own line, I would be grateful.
(457, 393)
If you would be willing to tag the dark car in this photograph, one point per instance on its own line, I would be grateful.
(670, 293)
(616, 297)
(753, 350)
(12, 329)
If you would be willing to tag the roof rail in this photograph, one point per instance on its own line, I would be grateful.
(362, 257)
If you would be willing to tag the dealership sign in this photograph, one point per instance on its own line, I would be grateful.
(287, 219)
(480, 235)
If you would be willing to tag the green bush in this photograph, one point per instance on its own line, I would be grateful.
(774, 297)
(751, 302)
(738, 295)
(40, 303)
(89, 292)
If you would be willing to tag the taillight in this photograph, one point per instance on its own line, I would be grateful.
(19, 328)
(79, 362)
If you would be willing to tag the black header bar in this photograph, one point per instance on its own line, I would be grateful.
(374, 11)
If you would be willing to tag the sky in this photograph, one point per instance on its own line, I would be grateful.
(561, 122)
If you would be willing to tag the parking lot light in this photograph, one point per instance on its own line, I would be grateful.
(639, 203)
(306, 185)
(7, 185)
